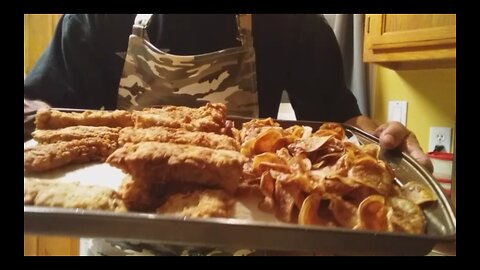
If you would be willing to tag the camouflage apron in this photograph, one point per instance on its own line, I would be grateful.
(152, 77)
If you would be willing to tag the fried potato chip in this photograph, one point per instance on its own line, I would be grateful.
(252, 128)
(267, 204)
(267, 184)
(315, 211)
(314, 143)
(300, 164)
(338, 185)
(344, 212)
(295, 131)
(268, 161)
(268, 141)
(406, 216)
(247, 147)
(284, 202)
(372, 214)
(372, 173)
(301, 181)
(334, 129)
(359, 193)
(371, 149)
(417, 193)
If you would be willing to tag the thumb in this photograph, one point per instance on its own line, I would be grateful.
(391, 134)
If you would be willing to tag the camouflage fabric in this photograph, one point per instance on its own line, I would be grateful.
(152, 77)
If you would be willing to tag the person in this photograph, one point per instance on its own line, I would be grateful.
(130, 61)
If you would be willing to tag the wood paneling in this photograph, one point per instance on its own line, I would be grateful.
(38, 31)
(425, 38)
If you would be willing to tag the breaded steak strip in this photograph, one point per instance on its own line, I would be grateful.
(75, 133)
(163, 134)
(200, 203)
(71, 195)
(163, 162)
(209, 118)
(53, 119)
(44, 157)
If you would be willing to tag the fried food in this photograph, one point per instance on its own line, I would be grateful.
(417, 193)
(44, 157)
(324, 179)
(75, 133)
(164, 162)
(71, 195)
(406, 216)
(140, 195)
(53, 119)
(209, 118)
(200, 203)
(170, 135)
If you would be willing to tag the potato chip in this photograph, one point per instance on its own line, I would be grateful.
(372, 173)
(284, 202)
(315, 211)
(344, 212)
(371, 149)
(334, 129)
(267, 141)
(417, 193)
(406, 216)
(295, 131)
(372, 214)
(268, 161)
(267, 184)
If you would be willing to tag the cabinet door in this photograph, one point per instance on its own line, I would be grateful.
(409, 37)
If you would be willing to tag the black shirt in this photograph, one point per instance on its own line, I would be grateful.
(81, 67)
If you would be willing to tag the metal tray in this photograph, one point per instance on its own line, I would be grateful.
(238, 233)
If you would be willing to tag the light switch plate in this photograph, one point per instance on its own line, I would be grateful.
(397, 111)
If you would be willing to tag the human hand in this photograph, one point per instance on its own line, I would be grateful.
(31, 106)
(394, 134)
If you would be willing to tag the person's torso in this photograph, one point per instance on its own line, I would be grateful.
(190, 34)
(155, 76)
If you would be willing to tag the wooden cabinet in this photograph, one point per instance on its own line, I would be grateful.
(50, 246)
(38, 31)
(397, 40)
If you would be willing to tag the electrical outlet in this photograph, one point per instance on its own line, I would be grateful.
(440, 136)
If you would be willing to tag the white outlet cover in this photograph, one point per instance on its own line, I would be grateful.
(440, 136)
(397, 111)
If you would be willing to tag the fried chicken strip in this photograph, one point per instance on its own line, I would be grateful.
(199, 203)
(148, 196)
(44, 157)
(209, 118)
(164, 162)
(140, 195)
(163, 134)
(53, 119)
(71, 195)
(75, 133)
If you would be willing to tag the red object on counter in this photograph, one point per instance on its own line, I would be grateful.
(442, 164)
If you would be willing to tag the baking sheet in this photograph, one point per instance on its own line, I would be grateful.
(251, 228)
